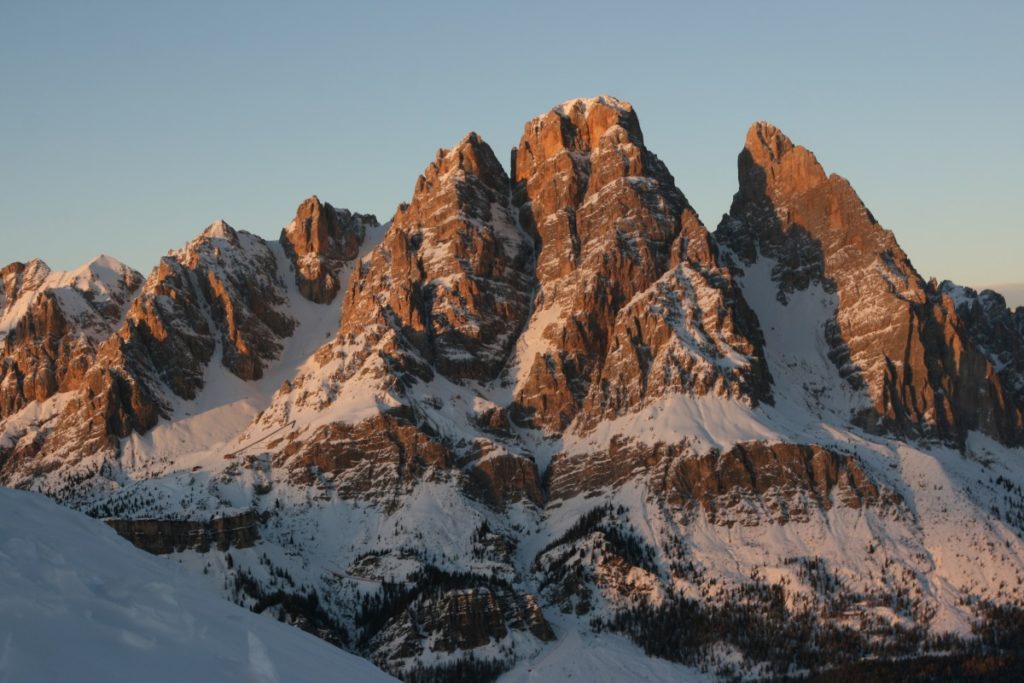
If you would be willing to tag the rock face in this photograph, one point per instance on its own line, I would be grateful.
(384, 455)
(997, 332)
(221, 292)
(502, 479)
(444, 295)
(625, 270)
(162, 536)
(451, 281)
(125, 351)
(461, 619)
(223, 289)
(780, 482)
(52, 322)
(922, 373)
(319, 241)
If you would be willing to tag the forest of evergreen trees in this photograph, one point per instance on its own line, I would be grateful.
(469, 669)
(393, 598)
(294, 606)
(778, 643)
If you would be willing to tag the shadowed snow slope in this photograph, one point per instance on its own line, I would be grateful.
(79, 603)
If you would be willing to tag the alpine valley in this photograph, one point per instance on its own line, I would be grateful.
(543, 423)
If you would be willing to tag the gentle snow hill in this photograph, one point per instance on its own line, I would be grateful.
(78, 603)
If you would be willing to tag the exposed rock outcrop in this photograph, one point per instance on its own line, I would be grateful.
(222, 288)
(444, 294)
(461, 619)
(319, 241)
(758, 483)
(502, 478)
(893, 334)
(997, 331)
(380, 457)
(452, 280)
(52, 322)
(162, 536)
(619, 245)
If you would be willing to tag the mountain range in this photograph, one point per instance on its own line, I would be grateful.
(544, 413)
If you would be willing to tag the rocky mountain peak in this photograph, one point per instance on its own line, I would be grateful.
(470, 157)
(95, 291)
(770, 165)
(453, 275)
(610, 223)
(311, 230)
(51, 323)
(220, 230)
(919, 372)
(226, 286)
(438, 303)
(766, 143)
(567, 134)
(996, 330)
(471, 164)
(594, 116)
(320, 240)
(10, 283)
(18, 277)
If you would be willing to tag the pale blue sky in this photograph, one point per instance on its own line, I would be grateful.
(127, 127)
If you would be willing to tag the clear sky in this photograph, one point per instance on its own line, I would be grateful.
(127, 127)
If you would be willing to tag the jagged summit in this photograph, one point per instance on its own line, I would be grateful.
(610, 223)
(52, 324)
(18, 277)
(220, 229)
(575, 126)
(101, 280)
(552, 392)
(320, 241)
(587, 103)
(766, 135)
(919, 371)
(772, 167)
(453, 271)
(470, 158)
(996, 330)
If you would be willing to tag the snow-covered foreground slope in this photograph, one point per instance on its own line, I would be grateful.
(78, 603)
(599, 658)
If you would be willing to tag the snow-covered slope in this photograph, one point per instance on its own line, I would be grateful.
(603, 658)
(79, 603)
(85, 294)
(200, 430)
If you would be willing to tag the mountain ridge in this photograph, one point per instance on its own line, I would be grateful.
(551, 402)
